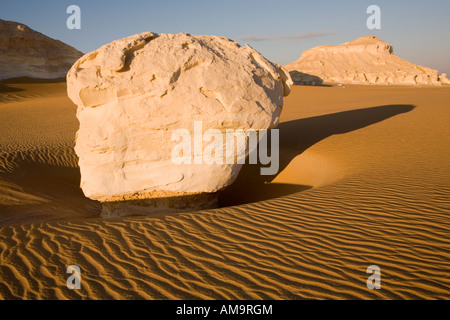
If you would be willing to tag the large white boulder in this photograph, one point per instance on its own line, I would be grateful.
(134, 92)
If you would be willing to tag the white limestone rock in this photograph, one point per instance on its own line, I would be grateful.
(132, 93)
(366, 60)
(27, 53)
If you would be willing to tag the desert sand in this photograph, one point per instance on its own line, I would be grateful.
(364, 180)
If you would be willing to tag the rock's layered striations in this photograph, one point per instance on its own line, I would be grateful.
(27, 53)
(134, 92)
(366, 60)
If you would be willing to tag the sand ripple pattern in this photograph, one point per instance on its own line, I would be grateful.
(316, 244)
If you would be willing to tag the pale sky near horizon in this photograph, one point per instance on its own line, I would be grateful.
(281, 30)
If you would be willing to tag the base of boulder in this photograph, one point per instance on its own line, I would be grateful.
(168, 204)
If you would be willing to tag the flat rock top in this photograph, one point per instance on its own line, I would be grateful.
(368, 40)
(362, 42)
(365, 60)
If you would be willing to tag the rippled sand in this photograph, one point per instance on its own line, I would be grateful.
(364, 181)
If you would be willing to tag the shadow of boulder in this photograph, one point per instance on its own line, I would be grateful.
(296, 136)
(8, 88)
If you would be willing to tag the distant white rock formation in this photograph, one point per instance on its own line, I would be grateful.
(27, 53)
(366, 60)
(134, 92)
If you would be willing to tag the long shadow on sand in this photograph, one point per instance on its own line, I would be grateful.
(7, 85)
(8, 88)
(295, 137)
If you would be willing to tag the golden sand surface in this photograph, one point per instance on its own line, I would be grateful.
(363, 180)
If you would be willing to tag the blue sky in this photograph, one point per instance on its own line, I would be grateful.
(281, 30)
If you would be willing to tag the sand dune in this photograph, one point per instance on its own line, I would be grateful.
(364, 181)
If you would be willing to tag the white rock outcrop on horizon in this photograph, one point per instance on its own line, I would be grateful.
(366, 60)
(28, 53)
(134, 92)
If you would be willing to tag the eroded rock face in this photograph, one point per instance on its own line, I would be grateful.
(366, 60)
(27, 53)
(134, 92)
